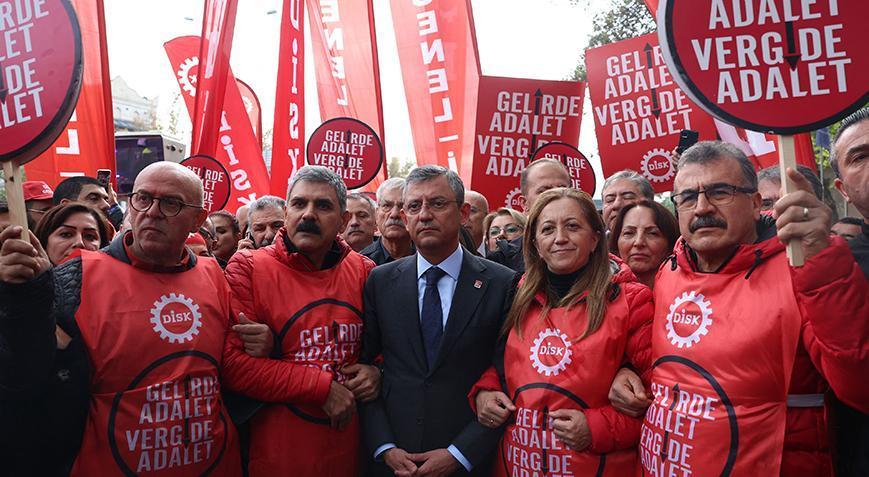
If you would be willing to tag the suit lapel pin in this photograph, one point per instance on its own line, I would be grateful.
(478, 284)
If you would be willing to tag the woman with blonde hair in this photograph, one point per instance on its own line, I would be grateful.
(578, 316)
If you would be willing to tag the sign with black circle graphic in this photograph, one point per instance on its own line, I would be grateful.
(348, 147)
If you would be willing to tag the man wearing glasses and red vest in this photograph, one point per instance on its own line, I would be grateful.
(113, 358)
(731, 315)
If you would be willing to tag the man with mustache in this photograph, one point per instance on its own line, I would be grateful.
(91, 351)
(736, 327)
(360, 230)
(307, 287)
(265, 218)
(394, 240)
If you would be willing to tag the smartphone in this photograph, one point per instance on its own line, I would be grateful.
(104, 176)
(687, 138)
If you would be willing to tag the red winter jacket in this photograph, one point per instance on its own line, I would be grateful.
(316, 316)
(549, 368)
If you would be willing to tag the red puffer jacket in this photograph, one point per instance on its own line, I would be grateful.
(549, 367)
(316, 316)
(734, 348)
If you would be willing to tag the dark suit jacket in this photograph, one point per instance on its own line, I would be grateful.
(421, 409)
(377, 253)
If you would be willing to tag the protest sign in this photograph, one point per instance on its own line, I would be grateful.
(577, 165)
(515, 116)
(40, 79)
(781, 67)
(639, 111)
(216, 186)
(348, 147)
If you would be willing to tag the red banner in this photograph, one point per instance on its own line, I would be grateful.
(437, 49)
(514, 118)
(239, 151)
(218, 23)
(288, 140)
(762, 148)
(252, 107)
(88, 142)
(639, 110)
(345, 57)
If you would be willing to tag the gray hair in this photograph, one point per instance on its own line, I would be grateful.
(641, 182)
(389, 184)
(362, 198)
(773, 174)
(523, 178)
(427, 173)
(323, 175)
(705, 152)
(266, 202)
(852, 120)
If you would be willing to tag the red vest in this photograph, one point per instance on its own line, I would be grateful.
(724, 349)
(318, 318)
(550, 368)
(155, 342)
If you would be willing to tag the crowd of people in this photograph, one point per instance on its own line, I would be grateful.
(421, 333)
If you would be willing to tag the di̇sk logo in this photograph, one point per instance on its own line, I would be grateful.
(689, 319)
(550, 353)
(176, 318)
(512, 200)
(657, 166)
(187, 75)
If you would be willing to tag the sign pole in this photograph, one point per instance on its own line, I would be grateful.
(787, 159)
(15, 196)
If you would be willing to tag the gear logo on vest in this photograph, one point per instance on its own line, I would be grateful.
(689, 319)
(176, 318)
(550, 353)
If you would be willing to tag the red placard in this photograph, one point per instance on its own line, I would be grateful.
(776, 66)
(639, 110)
(348, 147)
(580, 169)
(515, 116)
(87, 144)
(40, 75)
(346, 63)
(216, 186)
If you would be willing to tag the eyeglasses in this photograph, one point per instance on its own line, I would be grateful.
(170, 207)
(435, 205)
(388, 206)
(508, 229)
(717, 195)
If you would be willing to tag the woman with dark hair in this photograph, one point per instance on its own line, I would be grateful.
(70, 226)
(576, 319)
(643, 235)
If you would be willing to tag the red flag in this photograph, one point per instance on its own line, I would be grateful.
(288, 140)
(88, 143)
(437, 49)
(345, 57)
(514, 117)
(639, 111)
(762, 148)
(218, 23)
(239, 151)
(252, 107)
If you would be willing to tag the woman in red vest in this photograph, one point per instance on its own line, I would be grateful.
(578, 316)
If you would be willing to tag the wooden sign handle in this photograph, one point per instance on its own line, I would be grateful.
(788, 159)
(12, 174)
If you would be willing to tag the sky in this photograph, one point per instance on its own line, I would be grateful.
(539, 39)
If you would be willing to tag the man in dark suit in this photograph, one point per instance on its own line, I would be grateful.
(435, 318)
